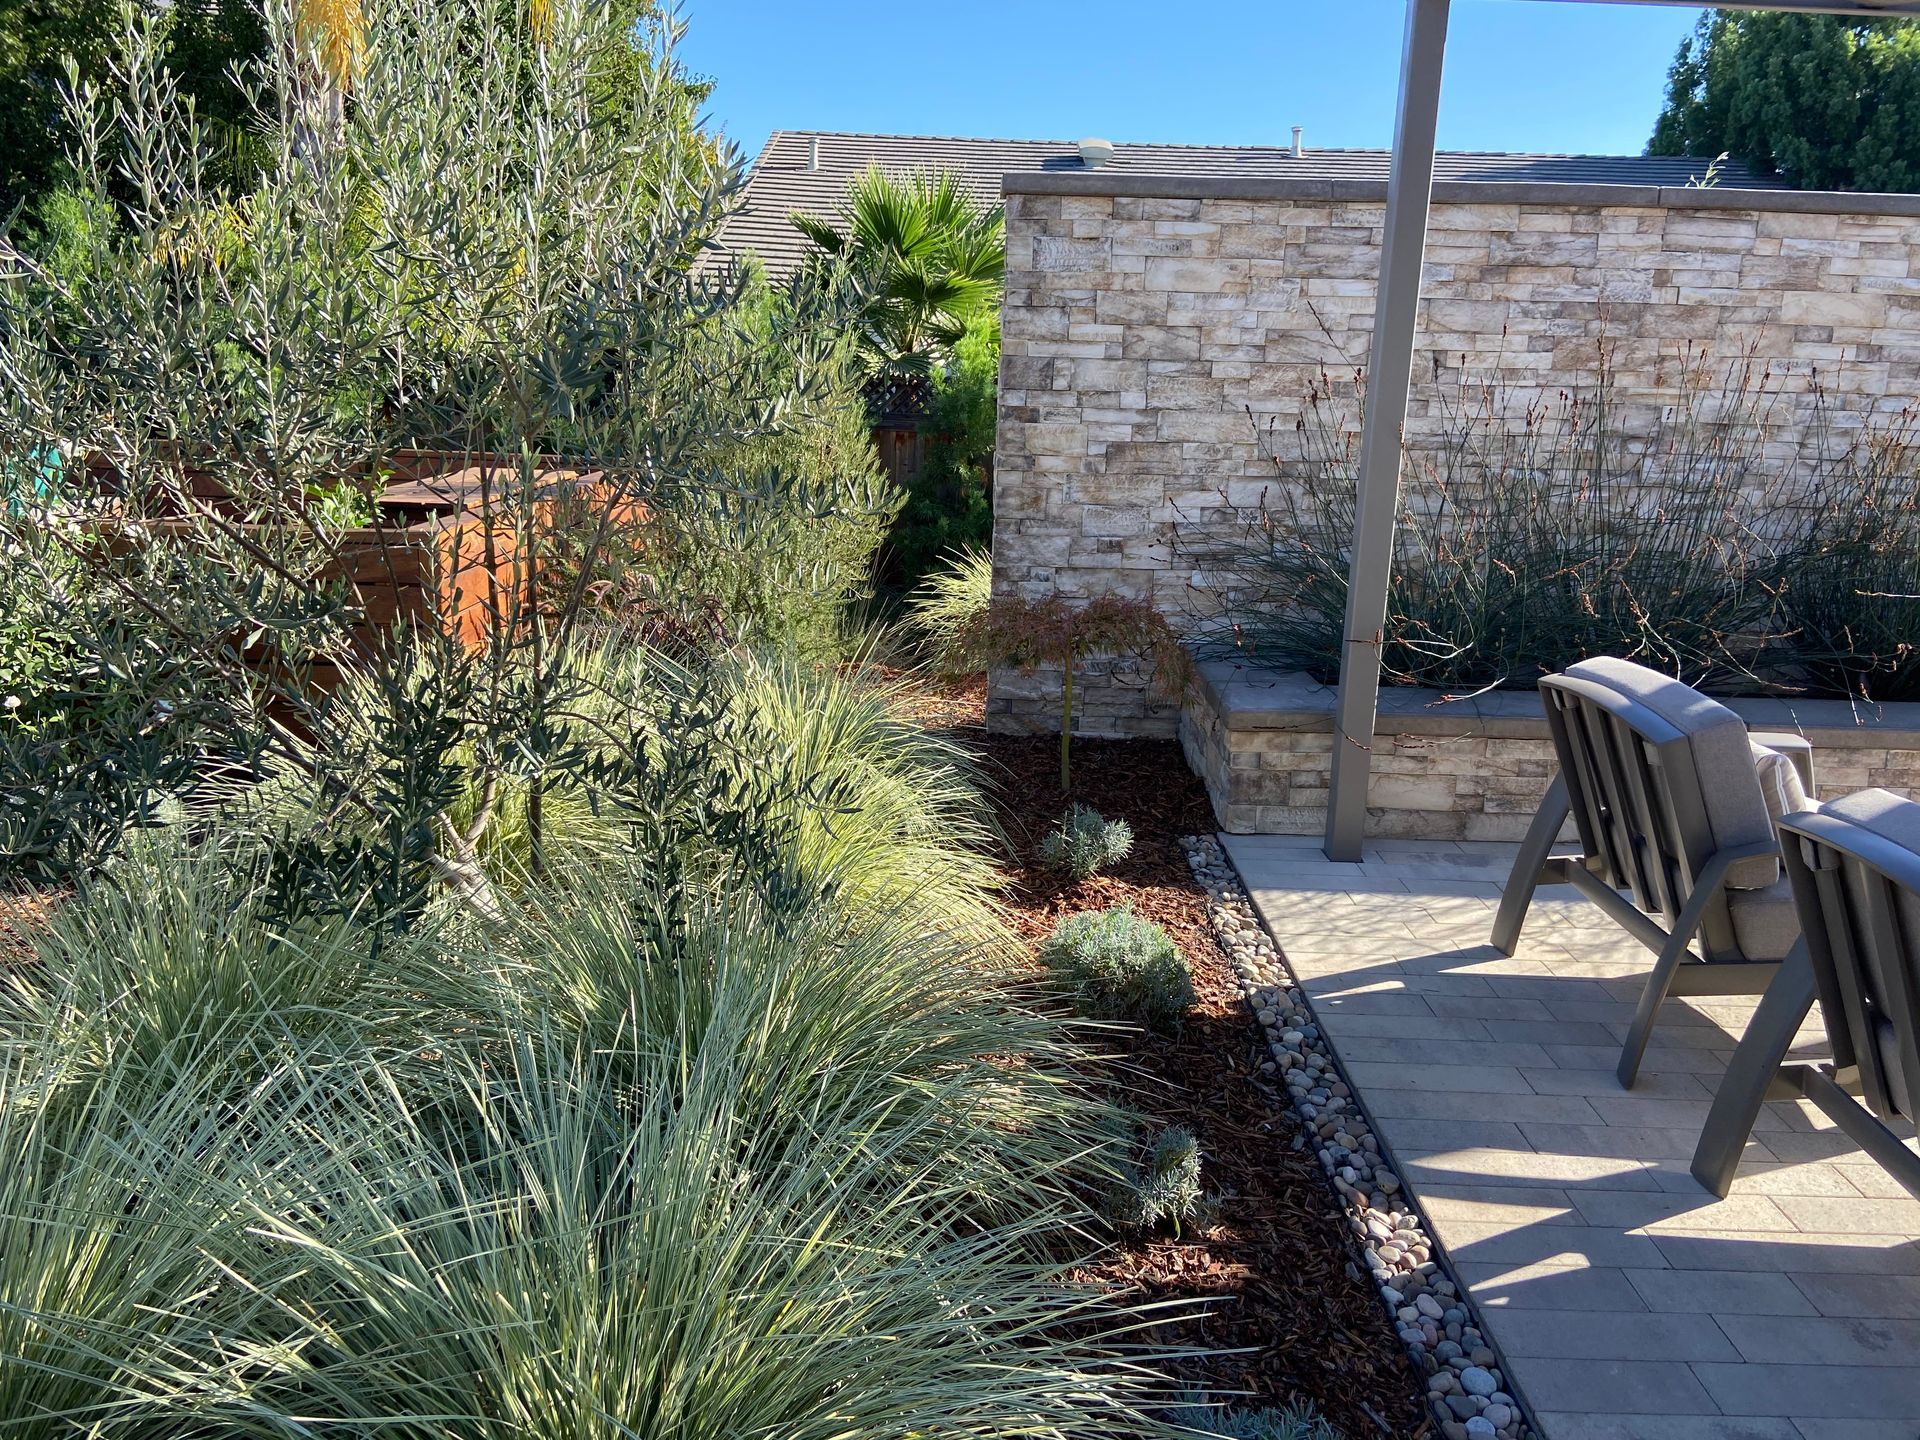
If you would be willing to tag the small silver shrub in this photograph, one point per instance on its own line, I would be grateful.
(1293, 1422)
(1168, 1186)
(1085, 842)
(1120, 967)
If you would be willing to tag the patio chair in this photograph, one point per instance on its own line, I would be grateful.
(1854, 867)
(1676, 838)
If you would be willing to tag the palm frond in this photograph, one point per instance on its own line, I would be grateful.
(927, 256)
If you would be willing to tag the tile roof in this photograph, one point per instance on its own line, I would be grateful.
(782, 182)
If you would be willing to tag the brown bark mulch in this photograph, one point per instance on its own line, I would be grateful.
(959, 705)
(1281, 1277)
(22, 911)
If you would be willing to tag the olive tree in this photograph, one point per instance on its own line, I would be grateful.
(455, 239)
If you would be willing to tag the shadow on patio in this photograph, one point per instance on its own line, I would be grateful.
(1627, 1302)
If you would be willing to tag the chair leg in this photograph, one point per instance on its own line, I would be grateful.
(1525, 879)
(1654, 995)
(1756, 1061)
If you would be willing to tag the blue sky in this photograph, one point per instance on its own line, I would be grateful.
(1521, 74)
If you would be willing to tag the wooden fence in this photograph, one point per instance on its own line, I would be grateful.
(897, 410)
(902, 452)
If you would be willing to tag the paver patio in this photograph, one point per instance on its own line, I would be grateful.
(1628, 1303)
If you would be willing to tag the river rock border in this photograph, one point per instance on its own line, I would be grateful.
(1466, 1389)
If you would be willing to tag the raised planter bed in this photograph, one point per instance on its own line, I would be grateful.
(1270, 1292)
(1461, 768)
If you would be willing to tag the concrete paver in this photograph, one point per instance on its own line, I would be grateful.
(1627, 1302)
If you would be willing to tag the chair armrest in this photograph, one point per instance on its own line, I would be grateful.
(1712, 881)
(1796, 748)
(1753, 849)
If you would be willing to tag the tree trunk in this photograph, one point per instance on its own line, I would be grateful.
(1066, 730)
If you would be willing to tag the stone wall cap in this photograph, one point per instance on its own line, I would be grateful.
(1186, 187)
(1542, 192)
(1799, 202)
(1471, 192)
(1250, 697)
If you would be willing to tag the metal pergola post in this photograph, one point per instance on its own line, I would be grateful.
(1389, 376)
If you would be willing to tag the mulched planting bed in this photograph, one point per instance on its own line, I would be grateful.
(1283, 1283)
(22, 911)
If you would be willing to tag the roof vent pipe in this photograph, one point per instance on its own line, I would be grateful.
(1095, 153)
(1298, 148)
(813, 151)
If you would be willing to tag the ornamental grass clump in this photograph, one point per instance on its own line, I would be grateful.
(176, 966)
(948, 604)
(135, 1296)
(697, 1134)
(1085, 842)
(892, 1025)
(1532, 531)
(1848, 574)
(755, 1160)
(554, 1245)
(893, 813)
(1120, 967)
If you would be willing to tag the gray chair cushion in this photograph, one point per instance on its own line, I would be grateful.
(1764, 921)
(1722, 759)
(1882, 812)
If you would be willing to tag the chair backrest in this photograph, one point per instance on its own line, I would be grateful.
(1854, 865)
(1651, 773)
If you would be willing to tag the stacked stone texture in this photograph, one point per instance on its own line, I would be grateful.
(1467, 785)
(1148, 339)
(1422, 787)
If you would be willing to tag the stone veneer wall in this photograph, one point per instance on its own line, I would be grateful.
(1147, 316)
(1470, 769)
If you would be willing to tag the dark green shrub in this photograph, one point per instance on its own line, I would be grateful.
(949, 504)
(34, 648)
(103, 712)
(1086, 842)
(787, 560)
(1120, 967)
(1824, 102)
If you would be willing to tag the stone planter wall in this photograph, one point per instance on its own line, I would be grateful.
(1153, 321)
(1465, 769)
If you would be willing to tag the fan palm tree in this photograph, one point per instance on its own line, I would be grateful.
(928, 258)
